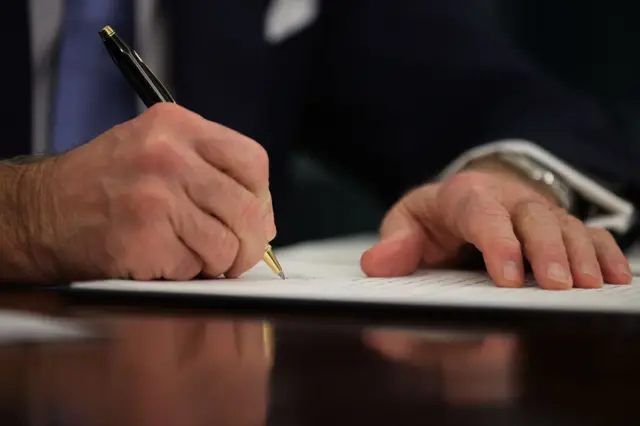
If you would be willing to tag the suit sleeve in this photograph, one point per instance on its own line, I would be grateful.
(420, 82)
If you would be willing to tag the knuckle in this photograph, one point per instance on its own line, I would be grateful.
(528, 207)
(161, 113)
(530, 211)
(158, 156)
(463, 181)
(558, 211)
(471, 200)
(571, 222)
(461, 192)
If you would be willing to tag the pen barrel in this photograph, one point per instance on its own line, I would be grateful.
(271, 260)
(136, 73)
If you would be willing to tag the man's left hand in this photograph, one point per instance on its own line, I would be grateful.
(505, 218)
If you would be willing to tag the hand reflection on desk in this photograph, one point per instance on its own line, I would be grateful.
(167, 372)
(475, 370)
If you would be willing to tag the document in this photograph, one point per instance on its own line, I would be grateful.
(314, 273)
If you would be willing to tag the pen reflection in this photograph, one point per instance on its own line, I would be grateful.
(161, 372)
(470, 370)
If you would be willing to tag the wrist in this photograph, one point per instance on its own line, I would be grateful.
(496, 166)
(39, 220)
(25, 224)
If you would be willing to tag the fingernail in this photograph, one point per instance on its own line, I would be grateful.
(557, 272)
(591, 270)
(510, 271)
(624, 269)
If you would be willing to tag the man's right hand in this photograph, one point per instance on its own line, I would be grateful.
(165, 195)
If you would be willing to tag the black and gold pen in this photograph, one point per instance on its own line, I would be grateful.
(152, 91)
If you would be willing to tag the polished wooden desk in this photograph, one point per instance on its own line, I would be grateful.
(155, 367)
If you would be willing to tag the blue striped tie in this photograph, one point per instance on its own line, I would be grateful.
(91, 95)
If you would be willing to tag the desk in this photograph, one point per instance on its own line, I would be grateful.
(157, 367)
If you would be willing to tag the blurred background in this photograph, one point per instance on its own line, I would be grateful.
(588, 46)
(357, 101)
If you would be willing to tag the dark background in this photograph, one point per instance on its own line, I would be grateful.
(588, 45)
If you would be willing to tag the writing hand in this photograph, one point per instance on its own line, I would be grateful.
(165, 195)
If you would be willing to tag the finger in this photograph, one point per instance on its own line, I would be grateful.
(585, 268)
(399, 250)
(215, 243)
(613, 263)
(186, 263)
(238, 209)
(539, 231)
(240, 157)
(412, 232)
(174, 261)
(268, 217)
(481, 220)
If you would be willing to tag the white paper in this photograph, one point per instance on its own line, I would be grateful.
(315, 273)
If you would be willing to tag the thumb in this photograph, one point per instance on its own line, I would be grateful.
(400, 248)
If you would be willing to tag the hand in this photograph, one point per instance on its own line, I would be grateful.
(165, 195)
(503, 217)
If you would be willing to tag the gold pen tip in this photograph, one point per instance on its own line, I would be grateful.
(106, 32)
(281, 275)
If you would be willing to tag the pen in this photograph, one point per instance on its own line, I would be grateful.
(151, 91)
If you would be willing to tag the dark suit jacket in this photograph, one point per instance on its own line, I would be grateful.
(391, 91)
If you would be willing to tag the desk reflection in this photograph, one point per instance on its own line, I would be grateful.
(156, 372)
(471, 370)
(214, 370)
